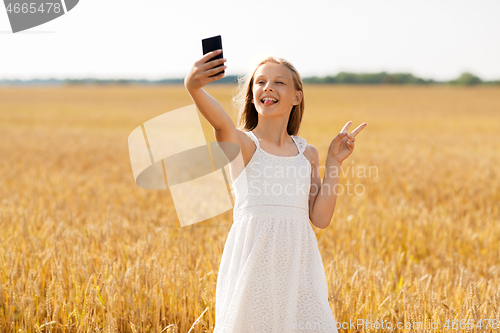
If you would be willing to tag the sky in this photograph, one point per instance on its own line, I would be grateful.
(156, 39)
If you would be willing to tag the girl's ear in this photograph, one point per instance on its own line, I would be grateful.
(298, 98)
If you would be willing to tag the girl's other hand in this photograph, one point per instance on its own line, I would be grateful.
(343, 144)
(200, 73)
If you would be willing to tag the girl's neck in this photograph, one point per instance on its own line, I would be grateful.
(278, 137)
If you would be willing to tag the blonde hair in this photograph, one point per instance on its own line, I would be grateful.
(247, 114)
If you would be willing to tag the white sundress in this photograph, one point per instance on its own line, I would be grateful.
(271, 276)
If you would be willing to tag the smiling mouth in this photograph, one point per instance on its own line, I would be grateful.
(269, 101)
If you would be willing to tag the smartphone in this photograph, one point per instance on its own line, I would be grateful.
(212, 44)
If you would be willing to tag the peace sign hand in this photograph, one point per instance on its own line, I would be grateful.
(343, 144)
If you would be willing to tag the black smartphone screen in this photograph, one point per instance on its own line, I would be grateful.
(212, 44)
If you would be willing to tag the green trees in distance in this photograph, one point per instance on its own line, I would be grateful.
(369, 78)
(466, 79)
(394, 78)
(341, 78)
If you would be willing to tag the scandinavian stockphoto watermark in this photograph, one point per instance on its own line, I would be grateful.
(26, 14)
(170, 152)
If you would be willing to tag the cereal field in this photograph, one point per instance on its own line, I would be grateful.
(84, 249)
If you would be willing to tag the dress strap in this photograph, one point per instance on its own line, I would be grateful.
(301, 143)
(253, 137)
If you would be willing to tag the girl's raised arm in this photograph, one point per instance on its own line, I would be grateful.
(199, 76)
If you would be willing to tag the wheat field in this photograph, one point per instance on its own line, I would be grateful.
(84, 249)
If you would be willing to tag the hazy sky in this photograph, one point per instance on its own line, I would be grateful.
(155, 39)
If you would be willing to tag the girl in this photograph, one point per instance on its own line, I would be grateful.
(271, 277)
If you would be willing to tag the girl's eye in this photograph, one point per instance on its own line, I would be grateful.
(280, 82)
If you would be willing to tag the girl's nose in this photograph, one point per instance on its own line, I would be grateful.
(268, 87)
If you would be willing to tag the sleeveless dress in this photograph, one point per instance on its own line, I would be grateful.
(271, 276)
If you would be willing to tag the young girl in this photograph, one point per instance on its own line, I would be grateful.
(271, 277)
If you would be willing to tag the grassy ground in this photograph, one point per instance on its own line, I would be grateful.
(84, 249)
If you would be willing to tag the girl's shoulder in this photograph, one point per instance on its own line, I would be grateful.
(309, 151)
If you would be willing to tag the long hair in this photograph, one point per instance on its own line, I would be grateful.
(247, 114)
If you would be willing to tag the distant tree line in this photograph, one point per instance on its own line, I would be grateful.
(395, 78)
(225, 79)
(466, 79)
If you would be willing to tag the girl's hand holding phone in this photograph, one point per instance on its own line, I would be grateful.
(200, 73)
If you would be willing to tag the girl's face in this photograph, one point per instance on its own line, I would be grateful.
(274, 90)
